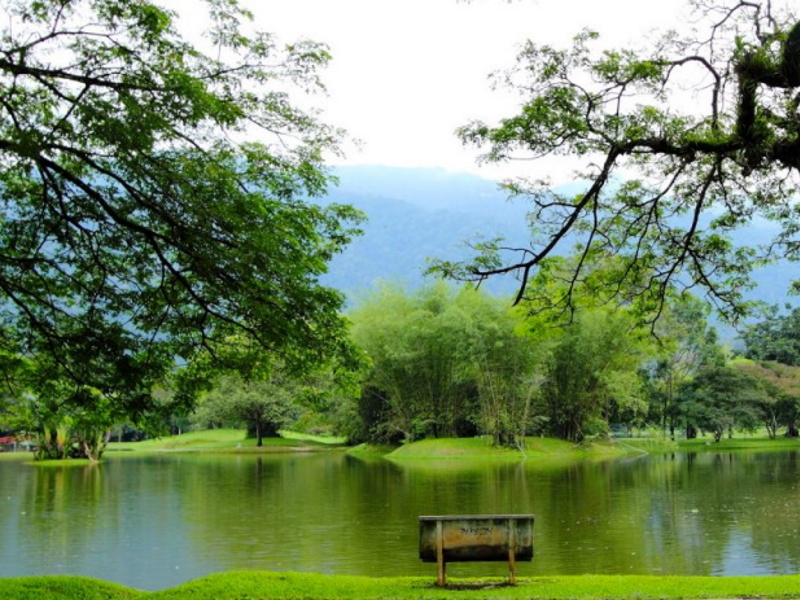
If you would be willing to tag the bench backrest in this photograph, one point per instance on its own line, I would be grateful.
(476, 537)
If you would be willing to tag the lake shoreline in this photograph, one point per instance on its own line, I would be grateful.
(234, 442)
(270, 585)
(542, 448)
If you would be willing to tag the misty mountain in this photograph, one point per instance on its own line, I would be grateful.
(417, 214)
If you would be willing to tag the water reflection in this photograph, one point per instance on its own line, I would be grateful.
(156, 521)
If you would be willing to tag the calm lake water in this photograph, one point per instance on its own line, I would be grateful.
(157, 521)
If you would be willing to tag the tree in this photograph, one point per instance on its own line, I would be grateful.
(669, 173)
(720, 398)
(152, 197)
(265, 406)
(417, 382)
(443, 363)
(592, 371)
(775, 337)
(68, 421)
(780, 407)
(686, 344)
(774, 344)
(505, 366)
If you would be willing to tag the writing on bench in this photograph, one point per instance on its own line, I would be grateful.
(461, 538)
(476, 530)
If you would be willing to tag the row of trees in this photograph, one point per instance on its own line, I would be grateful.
(442, 362)
(449, 362)
(155, 222)
(445, 362)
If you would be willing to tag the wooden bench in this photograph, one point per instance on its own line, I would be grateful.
(479, 538)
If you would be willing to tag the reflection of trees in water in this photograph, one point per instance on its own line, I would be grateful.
(632, 516)
(60, 507)
(671, 513)
(675, 513)
(289, 512)
(690, 514)
(335, 513)
(768, 506)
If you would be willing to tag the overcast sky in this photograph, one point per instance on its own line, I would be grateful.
(406, 73)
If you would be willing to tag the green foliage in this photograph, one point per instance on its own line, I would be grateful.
(719, 399)
(137, 230)
(775, 337)
(669, 174)
(265, 406)
(442, 363)
(67, 420)
(773, 343)
(591, 373)
(780, 406)
(686, 344)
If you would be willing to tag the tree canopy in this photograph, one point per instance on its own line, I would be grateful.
(442, 362)
(152, 197)
(678, 145)
(775, 338)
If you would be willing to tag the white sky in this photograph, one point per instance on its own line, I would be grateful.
(406, 73)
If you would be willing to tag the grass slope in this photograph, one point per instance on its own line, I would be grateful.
(553, 450)
(225, 440)
(481, 448)
(258, 585)
(63, 587)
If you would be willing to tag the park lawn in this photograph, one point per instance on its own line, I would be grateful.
(225, 441)
(453, 448)
(536, 448)
(261, 585)
(218, 441)
(759, 443)
(64, 587)
(540, 449)
(15, 455)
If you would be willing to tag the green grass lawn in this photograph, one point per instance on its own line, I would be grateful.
(15, 455)
(553, 450)
(536, 448)
(225, 441)
(260, 585)
(453, 448)
(450, 449)
(760, 443)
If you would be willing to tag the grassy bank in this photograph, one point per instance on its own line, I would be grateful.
(544, 451)
(537, 448)
(252, 585)
(760, 443)
(226, 441)
(234, 441)
(217, 441)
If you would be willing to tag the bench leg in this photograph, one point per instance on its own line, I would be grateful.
(512, 552)
(441, 567)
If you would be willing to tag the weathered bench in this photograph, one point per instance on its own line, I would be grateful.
(478, 538)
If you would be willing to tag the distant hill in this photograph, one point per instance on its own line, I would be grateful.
(417, 214)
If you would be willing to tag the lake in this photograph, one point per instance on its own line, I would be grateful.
(151, 522)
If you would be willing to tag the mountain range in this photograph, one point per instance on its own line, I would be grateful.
(415, 214)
